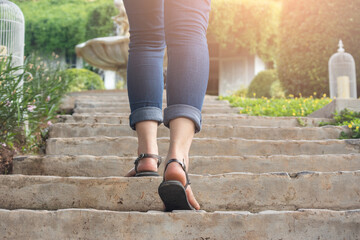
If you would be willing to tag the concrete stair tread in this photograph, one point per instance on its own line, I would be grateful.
(102, 166)
(98, 224)
(66, 130)
(230, 119)
(235, 191)
(126, 146)
(80, 124)
(221, 115)
(205, 110)
(254, 177)
(101, 104)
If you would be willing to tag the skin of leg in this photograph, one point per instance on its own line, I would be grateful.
(147, 143)
(182, 131)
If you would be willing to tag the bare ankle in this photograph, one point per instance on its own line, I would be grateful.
(147, 164)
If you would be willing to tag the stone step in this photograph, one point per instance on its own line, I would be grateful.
(238, 191)
(69, 101)
(179, 225)
(66, 130)
(86, 104)
(127, 146)
(205, 110)
(106, 166)
(98, 92)
(116, 94)
(221, 119)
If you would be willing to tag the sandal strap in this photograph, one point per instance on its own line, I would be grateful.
(147, 155)
(182, 164)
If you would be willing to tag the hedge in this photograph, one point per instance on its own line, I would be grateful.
(82, 80)
(261, 85)
(309, 35)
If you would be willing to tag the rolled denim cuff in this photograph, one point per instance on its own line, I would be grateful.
(145, 114)
(183, 110)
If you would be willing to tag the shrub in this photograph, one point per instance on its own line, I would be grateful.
(276, 90)
(261, 84)
(309, 35)
(12, 105)
(242, 92)
(35, 103)
(83, 79)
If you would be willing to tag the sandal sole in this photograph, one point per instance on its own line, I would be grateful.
(173, 194)
(147, 174)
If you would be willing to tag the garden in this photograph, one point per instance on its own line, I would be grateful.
(30, 95)
(295, 38)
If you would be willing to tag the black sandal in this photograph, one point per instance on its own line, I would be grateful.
(173, 193)
(147, 173)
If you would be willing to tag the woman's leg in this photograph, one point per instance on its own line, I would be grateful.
(145, 74)
(186, 23)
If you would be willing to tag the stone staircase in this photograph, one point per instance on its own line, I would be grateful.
(254, 177)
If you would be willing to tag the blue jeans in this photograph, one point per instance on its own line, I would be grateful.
(179, 25)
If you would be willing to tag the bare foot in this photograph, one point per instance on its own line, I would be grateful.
(175, 172)
(145, 164)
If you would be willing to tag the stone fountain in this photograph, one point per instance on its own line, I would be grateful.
(109, 53)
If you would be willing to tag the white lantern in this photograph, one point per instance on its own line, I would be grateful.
(12, 32)
(342, 74)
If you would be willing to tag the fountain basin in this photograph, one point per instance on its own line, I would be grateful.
(108, 53)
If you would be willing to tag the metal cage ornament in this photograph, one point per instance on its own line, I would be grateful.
(12, 32)
(342, 74)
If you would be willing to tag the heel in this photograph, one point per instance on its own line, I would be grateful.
(147, 173)
(173, 193)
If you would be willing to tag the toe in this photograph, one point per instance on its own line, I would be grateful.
(192, 199)
(131, 173)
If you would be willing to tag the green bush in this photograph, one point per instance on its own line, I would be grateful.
(261, 85)
(309, 35)
(242, 92)
(83, 79)
(35, 102)
(12, 105)
(276, 90)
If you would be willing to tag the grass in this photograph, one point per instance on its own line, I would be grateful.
(291, 106)
(347, 118)
(296, 107)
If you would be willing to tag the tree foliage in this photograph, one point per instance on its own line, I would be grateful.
(59, 25)
(248, 24)
(310, 32)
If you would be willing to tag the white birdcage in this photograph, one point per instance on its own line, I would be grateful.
(12, 32)
(342, 74)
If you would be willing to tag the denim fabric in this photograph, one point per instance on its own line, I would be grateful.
(146, 114)
(179, 25)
